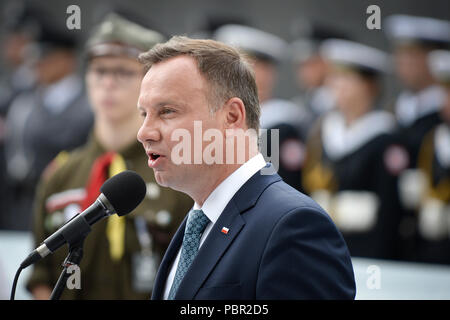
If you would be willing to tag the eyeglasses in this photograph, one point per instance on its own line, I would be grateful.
(120, 75)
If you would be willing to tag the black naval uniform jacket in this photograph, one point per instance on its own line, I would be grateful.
(358, 177)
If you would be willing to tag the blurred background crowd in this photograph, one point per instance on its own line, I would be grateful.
(363, 116)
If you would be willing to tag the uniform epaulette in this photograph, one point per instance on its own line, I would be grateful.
(55, 164)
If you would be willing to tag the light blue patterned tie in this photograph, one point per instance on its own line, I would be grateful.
(195, 226)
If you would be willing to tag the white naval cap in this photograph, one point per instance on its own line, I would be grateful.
(439, 62)
(411, 29)
(354, 54)
(253, 41)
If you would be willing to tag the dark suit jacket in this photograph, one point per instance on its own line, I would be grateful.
(280, 245)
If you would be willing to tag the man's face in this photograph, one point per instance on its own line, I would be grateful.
(14, 47)
(265, 76)
(54, 65)
(350, 90)
(411, 66)
(311, 73)
(173, 96)
(113, 85)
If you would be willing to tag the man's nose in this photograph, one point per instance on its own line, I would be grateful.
(148, 132)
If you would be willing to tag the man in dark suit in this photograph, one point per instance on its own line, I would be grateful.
(249, 234)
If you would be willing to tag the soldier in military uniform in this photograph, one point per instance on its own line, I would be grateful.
(40, 123)
(352, 158)
(266, 51)
(121, 254)
(434, 164)
(16, 77)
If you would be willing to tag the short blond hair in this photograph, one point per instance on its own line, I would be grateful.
(225, 68)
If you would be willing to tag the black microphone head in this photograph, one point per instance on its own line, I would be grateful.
(125, 191)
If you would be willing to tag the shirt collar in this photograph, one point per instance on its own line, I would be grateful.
(222, 194)
(413, 106)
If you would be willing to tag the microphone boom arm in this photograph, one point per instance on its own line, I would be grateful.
(73, 258)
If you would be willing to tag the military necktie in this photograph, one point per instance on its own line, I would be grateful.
(195, 226)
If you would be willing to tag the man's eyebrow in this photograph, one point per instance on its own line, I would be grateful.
(159, 105)
(164, 104)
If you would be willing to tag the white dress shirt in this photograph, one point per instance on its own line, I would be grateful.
(216, 203)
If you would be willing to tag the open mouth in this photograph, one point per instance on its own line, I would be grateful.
(154, 156)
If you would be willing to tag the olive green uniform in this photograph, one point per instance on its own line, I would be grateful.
(101, 277)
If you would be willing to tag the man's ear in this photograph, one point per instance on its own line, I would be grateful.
(235, 116)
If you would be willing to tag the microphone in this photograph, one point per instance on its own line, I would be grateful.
(120, 194)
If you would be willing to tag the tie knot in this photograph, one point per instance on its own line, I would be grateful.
(197, 222)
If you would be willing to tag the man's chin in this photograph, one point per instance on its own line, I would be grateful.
(164, 180)
(160, 178)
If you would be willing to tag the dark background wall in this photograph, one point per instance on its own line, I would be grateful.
(280, 17)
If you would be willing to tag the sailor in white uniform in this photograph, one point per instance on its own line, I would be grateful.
(417, 107)
(434, 166)
(353, 156)
(266, 51)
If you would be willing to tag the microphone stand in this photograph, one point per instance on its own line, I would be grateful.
(73, 258)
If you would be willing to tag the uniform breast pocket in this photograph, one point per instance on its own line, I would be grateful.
(220, 292)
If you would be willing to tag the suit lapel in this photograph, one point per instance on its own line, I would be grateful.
(169, 256)
(210, 252)
(218, 242)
